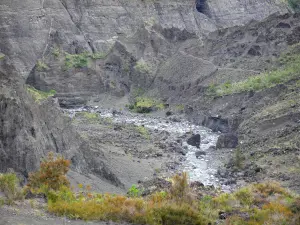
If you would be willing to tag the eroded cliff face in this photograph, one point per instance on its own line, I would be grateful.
(29, 130)
(167, 49)
(29, 27)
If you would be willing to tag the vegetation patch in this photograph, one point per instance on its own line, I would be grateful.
(289, 69)
(146, 105)
(9, 185)
(81, 60)
(295, 5)
(143, 131)
(264, 203)
(38, 95)
(142, 67)
(41, 66)
(2, 56)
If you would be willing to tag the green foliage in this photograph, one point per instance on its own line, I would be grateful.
(56, 52)
(142, 67)
(41, 66)
(81, 60)
(38, 95)
(9, 185)
(143, 131)
(134, 191)
(2, 56)
(294, 4)
(146, 105)
(77, 60)
(180, 107)
(89, 116)
(265, 203)
(290, 70)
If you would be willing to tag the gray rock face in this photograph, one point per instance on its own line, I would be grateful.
(28, 131)
(29, 27)
(227, 141)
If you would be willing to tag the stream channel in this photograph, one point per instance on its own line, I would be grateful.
(201, 169)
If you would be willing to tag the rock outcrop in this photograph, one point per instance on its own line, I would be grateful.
(28, 131)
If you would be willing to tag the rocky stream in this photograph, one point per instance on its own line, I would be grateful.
(201, 163)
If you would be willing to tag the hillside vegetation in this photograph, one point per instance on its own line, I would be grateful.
(265, 203)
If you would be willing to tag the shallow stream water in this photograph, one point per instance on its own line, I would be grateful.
(201, 169)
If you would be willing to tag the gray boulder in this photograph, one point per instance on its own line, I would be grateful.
(194, 140)
(227, 141)
(200, 153)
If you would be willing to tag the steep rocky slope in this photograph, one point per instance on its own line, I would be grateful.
(88, 50)
(30, 26)
(29, 130)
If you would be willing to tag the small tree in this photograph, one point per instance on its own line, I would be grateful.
(51, 175)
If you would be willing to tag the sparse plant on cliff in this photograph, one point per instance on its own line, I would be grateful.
(41, 66)
(142, 66)
(295, 4)
(38, 95)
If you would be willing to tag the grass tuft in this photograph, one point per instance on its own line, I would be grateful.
(38, 95)
(290, 69)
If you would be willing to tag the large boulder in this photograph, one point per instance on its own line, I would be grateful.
(194, 140)
(227, 141)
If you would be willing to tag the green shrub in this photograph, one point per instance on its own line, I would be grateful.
(146, 105)
(41, 66)
(295, 4)
(38, 95)
(143, 131)
(76, 61)
(56, 52)
(9, 185)
(142, 67)
(134, 191)
(183, 214)
(81, 60)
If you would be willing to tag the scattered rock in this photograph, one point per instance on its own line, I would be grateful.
(227, 141)
(169, 113)
(194, 140)
(200, 153)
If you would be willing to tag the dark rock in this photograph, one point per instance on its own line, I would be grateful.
(211, 148)
(230, 181)
(283, 25)
(199, 153)
(216, 123)
(227, 141)
(194, 140)
(169, 113)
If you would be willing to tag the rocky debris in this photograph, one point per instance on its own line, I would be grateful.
(227, 141)
(200, 153)
(194, 140)
(153, 185)
(225, 215)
